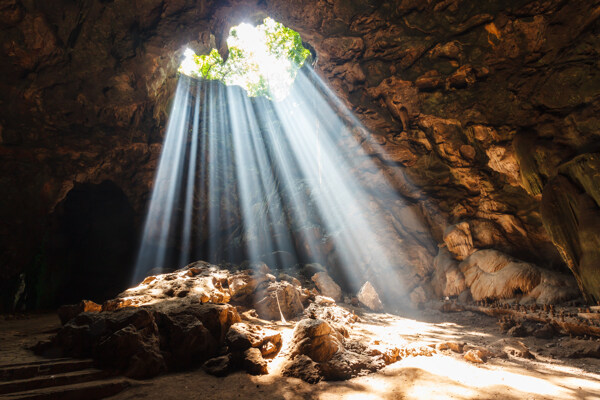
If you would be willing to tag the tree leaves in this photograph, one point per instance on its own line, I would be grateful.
(264, 61)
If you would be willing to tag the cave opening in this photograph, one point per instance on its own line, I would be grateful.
(263, 59)
(89, 246)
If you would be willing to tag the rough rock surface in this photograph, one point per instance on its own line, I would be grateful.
(368, 296)
(490, 274)
(327, 286)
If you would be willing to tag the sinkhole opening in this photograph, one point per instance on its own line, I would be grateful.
(263, 59)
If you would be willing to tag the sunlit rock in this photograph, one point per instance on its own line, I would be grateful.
(367, 295)
(279, 299)
(327, 286)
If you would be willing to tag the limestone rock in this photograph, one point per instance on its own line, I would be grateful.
(571, 216)
(367, 295)
(327, 286)
(447, 278)
(304, 368)
(491, 274)
(254, 363)
(475, 356)
(279, 298)
(316, 339)
(241, 337)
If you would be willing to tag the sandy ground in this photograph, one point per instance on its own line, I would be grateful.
(444, 375)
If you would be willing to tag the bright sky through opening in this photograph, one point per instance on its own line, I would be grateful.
(263, 59)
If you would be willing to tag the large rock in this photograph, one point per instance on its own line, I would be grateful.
(571, 215)
(327, 286)
(368, 296)
(491, 274)
(279, 298)
(316, 339)
(143, 342)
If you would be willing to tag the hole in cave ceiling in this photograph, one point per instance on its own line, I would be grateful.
(263, 59)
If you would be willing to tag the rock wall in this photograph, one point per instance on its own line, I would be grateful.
(485, 111)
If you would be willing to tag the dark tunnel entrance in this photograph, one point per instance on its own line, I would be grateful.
(90, 246)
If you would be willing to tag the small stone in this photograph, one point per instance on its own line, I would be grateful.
(475, 356)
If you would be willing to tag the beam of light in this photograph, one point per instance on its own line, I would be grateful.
(280, 182)
(167, 185)
(186, 236)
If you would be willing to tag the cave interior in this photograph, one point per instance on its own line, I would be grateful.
(300, 199)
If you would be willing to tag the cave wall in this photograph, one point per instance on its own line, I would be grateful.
(479, 107)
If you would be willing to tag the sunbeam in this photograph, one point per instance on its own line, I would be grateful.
(285, 182)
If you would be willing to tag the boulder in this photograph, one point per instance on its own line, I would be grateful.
(368, 297)
(254, 363)
(277, 299)
(316, 339)
(327, 286)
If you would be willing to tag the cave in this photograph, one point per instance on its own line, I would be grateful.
(316, 199)
(89, 252)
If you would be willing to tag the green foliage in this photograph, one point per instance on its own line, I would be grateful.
(264, 60)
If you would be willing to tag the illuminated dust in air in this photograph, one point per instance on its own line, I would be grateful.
(262, 163)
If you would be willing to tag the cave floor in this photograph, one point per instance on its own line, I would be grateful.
(445, 374)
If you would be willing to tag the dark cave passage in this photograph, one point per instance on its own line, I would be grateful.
(90, 246)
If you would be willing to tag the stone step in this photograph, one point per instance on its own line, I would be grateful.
(44, 381)
(29, 370)
(89, 391)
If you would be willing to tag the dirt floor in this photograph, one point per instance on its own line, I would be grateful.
(550, 374)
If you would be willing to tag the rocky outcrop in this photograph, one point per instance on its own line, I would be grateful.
(571, 214)
(492, 275)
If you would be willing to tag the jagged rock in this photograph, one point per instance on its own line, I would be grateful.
(130, 351)
(327, 286)
(316, 339)
(241, 337)
(145, 341)
(367, 295)
(186, 338)
(475, 356)
(279, 298)
(254, 363)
